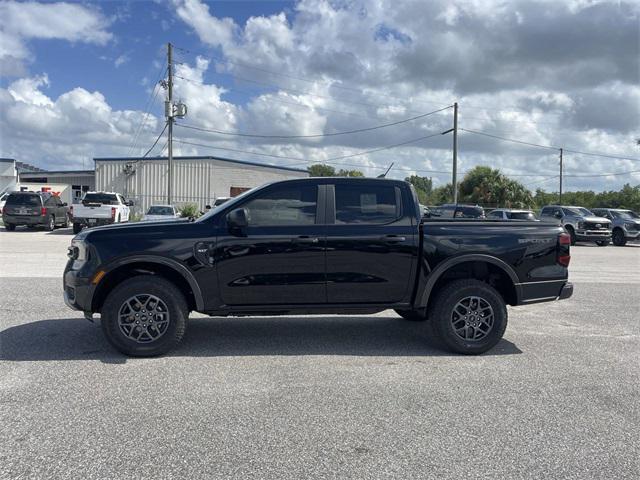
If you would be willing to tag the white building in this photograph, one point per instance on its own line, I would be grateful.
(197, 180)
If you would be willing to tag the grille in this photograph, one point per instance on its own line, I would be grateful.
(596, 226)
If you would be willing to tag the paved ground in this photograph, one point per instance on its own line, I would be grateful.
(323, 397)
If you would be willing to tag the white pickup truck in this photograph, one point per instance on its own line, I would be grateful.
(99, 208)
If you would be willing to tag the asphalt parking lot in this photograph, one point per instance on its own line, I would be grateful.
(322, 397)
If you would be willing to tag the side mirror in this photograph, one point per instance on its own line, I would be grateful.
(558, 215)
(238, 218)
(129, 203)
(207, 207)
(65, 204)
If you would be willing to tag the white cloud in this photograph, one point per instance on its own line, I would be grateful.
(22, 21)
(121, 60)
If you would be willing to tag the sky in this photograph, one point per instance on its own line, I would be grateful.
(80, 80)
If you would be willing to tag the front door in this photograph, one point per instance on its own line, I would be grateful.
(279, 258)
(372, 244)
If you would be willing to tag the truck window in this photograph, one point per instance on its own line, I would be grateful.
(102, 198)
(290, 205)
(366, 204)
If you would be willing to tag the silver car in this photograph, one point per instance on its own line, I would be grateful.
(626, 224)
(512, 214)
(161, 212)
(580, 223)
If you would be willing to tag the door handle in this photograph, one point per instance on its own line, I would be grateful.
(393, 239)
(305, 239)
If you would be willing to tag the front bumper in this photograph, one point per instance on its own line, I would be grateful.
(77, 291)
(593, 235)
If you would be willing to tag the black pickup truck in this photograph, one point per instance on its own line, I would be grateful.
(315, 246)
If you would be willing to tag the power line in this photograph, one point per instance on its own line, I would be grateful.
(349, 132)
(150, 99)
(156, 142)
(551, 147)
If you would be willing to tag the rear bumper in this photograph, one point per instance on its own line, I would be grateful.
(35, 220)
(544, 291)
(93, 222)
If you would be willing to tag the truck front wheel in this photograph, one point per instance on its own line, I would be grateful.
(468, 317)
(144, 316)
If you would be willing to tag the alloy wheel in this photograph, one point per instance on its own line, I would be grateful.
(472, 318)
(143, 318)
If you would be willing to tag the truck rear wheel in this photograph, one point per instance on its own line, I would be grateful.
(412, 315)
(468, 317)
(144, 316)
(51, 223)
(77, 228)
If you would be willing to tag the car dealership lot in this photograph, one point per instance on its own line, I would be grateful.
(328, 397)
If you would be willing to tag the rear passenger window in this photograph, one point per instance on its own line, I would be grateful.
(290, 205)
(366, 204)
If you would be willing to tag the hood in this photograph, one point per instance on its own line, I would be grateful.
(136, 228)
(594, 219)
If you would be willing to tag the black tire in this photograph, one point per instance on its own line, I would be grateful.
(77, 228)
(412, 315)
(619, 239)
(116, 304)
(602, 243)
(65, 224)
(51, 223)
(9, 226)
(572, 234)
(442, 317)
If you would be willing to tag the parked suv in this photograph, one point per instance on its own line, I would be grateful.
(626, 224)
(34, 209)
(580, 223)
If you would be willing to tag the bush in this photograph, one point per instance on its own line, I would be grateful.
(189, 210)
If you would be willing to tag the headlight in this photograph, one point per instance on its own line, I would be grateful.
(580, 225)
(78, 251)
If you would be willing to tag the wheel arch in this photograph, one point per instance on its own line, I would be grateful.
(149, 265)
(492, 270)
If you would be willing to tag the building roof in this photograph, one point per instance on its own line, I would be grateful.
(59, 172)
(7, 160)
(220, 159)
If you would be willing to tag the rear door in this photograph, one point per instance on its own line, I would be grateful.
(371, 242)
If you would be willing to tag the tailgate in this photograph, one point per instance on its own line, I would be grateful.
(22, 210)
(101, 211)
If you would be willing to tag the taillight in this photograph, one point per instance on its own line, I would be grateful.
(43, 211)
(564, 243)
(113, 213)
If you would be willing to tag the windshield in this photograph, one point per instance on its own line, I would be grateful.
(103, 198)
(228, 203)
(579, 211)
(521, 215)
(626, 214)
(159, 210)
(25, 200)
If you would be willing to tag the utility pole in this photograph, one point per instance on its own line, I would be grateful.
(454, 182)
(169, 115)
(560, 196)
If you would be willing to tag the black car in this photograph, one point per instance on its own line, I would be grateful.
(315, 246)
(34, 209)
(452, 210)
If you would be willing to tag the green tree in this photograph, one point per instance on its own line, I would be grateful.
(423, 186)
(350, 173)
(320, 170)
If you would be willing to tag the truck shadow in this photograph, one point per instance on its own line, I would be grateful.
(77, 339)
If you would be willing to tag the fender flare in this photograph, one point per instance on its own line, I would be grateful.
(440, 270)
(167, 262)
